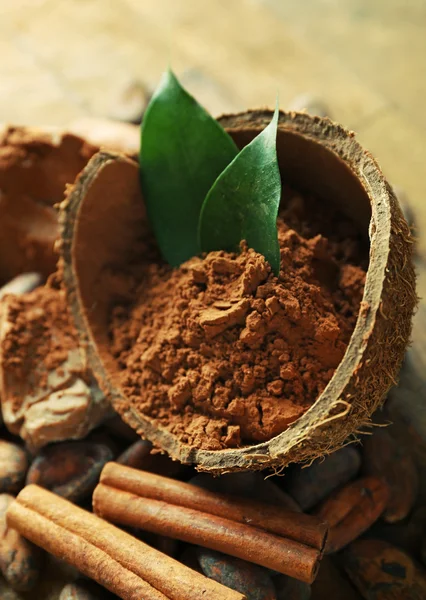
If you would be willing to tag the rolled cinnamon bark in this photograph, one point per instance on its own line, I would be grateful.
(118, 561)
(193, 526)
(306, 529)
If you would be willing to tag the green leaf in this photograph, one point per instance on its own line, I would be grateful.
(183, 151)
(244, 200)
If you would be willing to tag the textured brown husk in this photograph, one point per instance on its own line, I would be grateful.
(103, 216)
(35, 166)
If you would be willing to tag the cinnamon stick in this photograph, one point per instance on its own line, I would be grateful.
(306, 529)
(118, 561)
(217, 533)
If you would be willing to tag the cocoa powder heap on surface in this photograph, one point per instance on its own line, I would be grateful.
(29, 344)
(47, 392)
(223, 353)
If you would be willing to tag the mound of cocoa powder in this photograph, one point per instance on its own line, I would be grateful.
(223, 353)
(47, 392)
(30, 341)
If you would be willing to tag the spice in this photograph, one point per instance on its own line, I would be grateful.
(19, 560)
(76, 591)
(225, 352)
(139, 456)
(332, 584)
(408, 534)
(291, 589)
(70, 469)
(217, 533)
(250, 484)
(352, 510)
(117, 427)
(383, 572)
(384, 457)
(249, 579)
(113, 558)
(306, 529)
(47, 392)
(309, 485)
(13, 467)
(84, 589)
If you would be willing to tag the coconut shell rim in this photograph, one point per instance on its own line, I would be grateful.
(309, 436)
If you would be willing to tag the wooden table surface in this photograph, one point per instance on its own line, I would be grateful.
(64, 59)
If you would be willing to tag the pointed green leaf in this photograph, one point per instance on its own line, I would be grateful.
(244, 200)
(183, 151)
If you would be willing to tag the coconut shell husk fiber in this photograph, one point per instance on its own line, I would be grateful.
(103, 220)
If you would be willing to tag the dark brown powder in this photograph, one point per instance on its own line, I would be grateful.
(223, 353)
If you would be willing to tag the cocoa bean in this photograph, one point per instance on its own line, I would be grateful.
(7, 592)
(381, 571)
(384, 457)
(13, 467)
(19, 559)
(251, 580)
(252, 485)
(405, 404)
(414, 531)
(166, 545)
(309, 485)
(117, 427)
(69, 469)
(405, 407)
(136, 454)
(352, 510)
(83, 589)
(189, 558)
(423, 551)
(139, 456)
(288, 588)
(407, 535)
(332, 584)
(74, 591)
(102, 436)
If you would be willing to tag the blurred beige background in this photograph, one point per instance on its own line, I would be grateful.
(64, 59)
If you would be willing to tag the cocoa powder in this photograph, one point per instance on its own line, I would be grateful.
(30, 342)
(221, 352)
(47, 392)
